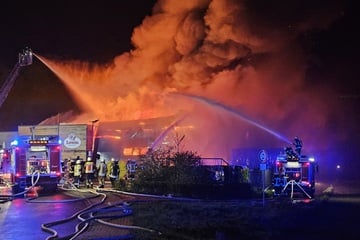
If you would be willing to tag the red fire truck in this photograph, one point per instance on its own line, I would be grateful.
(36, 161)
(294, 173)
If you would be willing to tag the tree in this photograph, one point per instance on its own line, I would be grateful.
(166, 170)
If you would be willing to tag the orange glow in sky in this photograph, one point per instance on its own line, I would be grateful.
(204, 48)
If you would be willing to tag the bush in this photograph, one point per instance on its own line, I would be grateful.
(181, 174)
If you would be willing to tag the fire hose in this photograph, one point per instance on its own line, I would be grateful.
(89, 214)
(47, 226)
(8, 197)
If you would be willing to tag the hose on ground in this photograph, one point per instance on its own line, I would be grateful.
(33, 184)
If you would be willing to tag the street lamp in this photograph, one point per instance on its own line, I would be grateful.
(93, 137)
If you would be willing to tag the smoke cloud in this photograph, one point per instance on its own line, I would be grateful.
(242, 54)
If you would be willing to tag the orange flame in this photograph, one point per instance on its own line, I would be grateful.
(207, 48)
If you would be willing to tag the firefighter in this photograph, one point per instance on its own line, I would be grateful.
(89, 172)
(71, 168)
(102, 170)
(114, 172)
(298, 145)
(290, 154)
(82, 178)
(77, 173)
(130, 166)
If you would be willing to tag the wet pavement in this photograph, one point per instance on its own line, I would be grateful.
(23, 218)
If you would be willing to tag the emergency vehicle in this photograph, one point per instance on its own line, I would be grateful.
(36, 159)
(25, 59)
(294, 173)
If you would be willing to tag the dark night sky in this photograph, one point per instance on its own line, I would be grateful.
(94, 31)
(97, 31)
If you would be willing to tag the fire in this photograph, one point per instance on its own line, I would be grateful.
(213, 49)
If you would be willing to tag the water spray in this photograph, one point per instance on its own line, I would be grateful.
(234, 112)
(46, 64)
(167, 130)
(41, 59)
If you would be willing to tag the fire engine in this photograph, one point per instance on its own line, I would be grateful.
(36, 159)
(294, 172)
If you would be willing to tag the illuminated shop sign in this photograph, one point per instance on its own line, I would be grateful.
(72, 141)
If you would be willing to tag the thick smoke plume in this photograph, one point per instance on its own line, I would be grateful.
(242, 54)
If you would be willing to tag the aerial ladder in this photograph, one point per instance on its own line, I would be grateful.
(25, 59)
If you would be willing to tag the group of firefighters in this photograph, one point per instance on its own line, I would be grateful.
(86, 171)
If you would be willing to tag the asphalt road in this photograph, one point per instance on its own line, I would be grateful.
(329, 216)
(21, 218)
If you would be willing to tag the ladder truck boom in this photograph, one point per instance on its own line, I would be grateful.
(25, 59)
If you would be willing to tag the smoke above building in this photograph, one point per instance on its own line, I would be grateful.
(240, 55)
